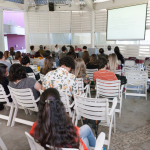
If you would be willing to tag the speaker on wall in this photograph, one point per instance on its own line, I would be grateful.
(51, 6)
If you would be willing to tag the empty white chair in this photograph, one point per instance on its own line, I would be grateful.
(129, 63)
(31, 75)
(110, 89)
(136, 81)
(15, 62)
(2, 144)
(4, 98)
(96, 109)
(81, 88)
(90, 73)
(23, 98)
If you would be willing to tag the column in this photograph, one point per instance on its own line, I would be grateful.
(93, 30)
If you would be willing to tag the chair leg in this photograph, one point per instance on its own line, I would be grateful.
(10, 115)
(26, 111)
(76, 122)
(14, 117)
(114, 122)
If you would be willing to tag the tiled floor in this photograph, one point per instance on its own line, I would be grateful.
(133, 128)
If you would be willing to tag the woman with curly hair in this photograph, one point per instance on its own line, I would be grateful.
(55, 128)
(86, 57)
(80, 71)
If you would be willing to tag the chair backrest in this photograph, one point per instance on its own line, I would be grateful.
(92, 108)
(3, 96)
(35, 146)
(34, 68)
(31, 75)
(147, 63)
(132, 58)
(148, 70)
(15, 62)
(129, 63)
(41, 77)
(100, 141)
(31, 56)
(35, 61)
(24, 98)
(80, 84)
(90, 73)
(108, 89)
(131, 69)
(118, 72)
(147, 58)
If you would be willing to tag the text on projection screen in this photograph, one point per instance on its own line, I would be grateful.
(127, 23)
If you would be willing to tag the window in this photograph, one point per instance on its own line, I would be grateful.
(147, 38)
(81, 38)
(60, 38)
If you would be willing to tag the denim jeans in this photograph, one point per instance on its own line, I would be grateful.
(87, 136)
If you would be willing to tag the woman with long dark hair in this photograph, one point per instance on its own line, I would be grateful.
(55, 128)
(86, 57)
(93, 62)
(4, 82)
(18, 56)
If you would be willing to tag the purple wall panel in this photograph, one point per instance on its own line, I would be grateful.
(14, 40)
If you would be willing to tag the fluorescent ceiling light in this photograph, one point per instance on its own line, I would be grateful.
(99, 1)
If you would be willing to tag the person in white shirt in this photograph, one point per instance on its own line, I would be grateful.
(109, 51)
(56, 48)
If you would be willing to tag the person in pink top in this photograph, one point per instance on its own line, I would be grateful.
(77, 49)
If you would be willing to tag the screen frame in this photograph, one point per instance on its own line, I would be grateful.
(126, 39)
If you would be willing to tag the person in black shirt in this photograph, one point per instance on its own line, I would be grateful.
(93, 62)
(26, 63)
(4, 82)
(101, 51)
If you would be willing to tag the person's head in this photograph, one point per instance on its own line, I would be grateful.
(17, 55)
(12, 49)
(109, 47)
(80, 68)
(37, 54)
(67, 63)
(117, 50)
(26, 61)
(41, 47)
(112, 64)
(84, 48)
(76, 47)
(72, 55)
(101, 51)
(46, 53)
(64, 49)
(48, 65)
(32, 48)
(54, 126)
(86, 57)
(3, 72)
(6, 54)
(93, 59)
(71, 49)
(53, 54)
(45, 48)
(16, 72)
(2, 56)
(102, 63)
(56, 46)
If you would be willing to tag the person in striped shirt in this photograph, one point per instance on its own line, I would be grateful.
(102, 73)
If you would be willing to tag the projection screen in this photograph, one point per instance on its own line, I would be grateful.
(127, 23)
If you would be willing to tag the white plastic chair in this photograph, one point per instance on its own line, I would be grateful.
(31, 75)
(15, 62)
(23, 98)
(90, 73)
(81, 87)
(131, 69)
(148, 70)
(34, 68)
(41, 77)
(4, 98)
(35, 146)
(35, 61)
(147, 63)
(110, 89)
(138, 81)
(96, 109)
(129, 63)
(119, 72)
(2, 144)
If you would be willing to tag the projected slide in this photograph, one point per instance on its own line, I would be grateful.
(127, 23)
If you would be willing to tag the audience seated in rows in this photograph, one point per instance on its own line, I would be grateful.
(3, 61)
(7, 56)
(55, 128)
(18, 56)
(80, 71)
(113, 63)
(41, 51)
(45, 54)
(32, 52)
(109, 51)
(4, 82)
(12, 53)
(26, 63)
(102, 73)
(101, 51)
(61, 78)
(83, 50)
(18, 79)
(63, 54)
(48, 65)
(86, 57)
(93, 62)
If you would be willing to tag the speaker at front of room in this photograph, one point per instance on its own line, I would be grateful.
(51, 6)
